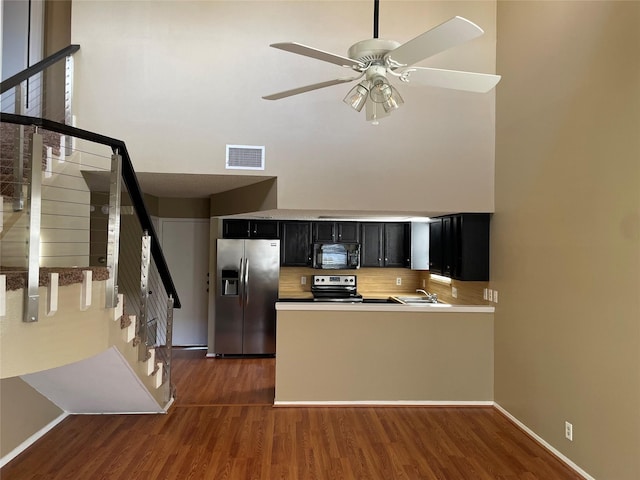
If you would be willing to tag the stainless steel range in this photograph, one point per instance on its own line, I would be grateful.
(335, 288)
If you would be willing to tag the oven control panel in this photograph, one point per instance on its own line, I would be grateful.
(334, 280)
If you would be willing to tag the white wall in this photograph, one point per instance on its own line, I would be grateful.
(180, 80)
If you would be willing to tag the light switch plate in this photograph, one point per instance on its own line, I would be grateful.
(495, 296)
(454, 292)
(490, 295)
(485, 294)
(303, 280)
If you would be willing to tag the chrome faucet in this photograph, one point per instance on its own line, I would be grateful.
(431, 297)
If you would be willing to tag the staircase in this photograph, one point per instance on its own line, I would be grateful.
(78, 327)
(84, 357)
(54, 333)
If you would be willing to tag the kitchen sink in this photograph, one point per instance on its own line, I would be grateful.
(414, 300)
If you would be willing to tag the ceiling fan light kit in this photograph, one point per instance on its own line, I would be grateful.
(357, 96)
(376, 59)
(394, 101)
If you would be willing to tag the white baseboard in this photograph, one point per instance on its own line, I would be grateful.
(169, 403)
(383, 403)
(32, 439)
(544, 443)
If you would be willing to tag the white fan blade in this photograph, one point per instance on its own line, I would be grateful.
(307, 88)
(453, 32)
(317, 54)
(374, 111)
(454, 79)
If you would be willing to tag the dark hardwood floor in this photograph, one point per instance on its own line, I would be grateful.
(223, 426)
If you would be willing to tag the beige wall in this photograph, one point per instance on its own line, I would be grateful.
(27, 347)
(183, 207)
(356, 356)
(165, 207)
(566, 230)
(57, 35)
(191, 76)
(23, 411)
(256, 197)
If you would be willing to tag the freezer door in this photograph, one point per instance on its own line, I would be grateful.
(261, 294)
(229, 297)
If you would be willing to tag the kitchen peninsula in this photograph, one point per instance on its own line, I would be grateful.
(378, 353)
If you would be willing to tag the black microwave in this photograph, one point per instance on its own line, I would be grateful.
(336, 256)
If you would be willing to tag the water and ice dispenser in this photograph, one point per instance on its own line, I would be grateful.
(230, 280)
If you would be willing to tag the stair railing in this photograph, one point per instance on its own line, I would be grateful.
(87, 210)
(73, 194)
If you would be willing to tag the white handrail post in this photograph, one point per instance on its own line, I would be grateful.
(169, 340)
(18, 158)
(113, 234)
(68, 102)
(143, 350)
(32, 298)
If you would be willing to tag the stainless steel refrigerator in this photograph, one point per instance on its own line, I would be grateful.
(247, 275)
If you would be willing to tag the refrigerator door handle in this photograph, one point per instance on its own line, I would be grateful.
(240, 278)
(246, 281)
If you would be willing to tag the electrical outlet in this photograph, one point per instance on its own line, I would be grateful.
(303, 280)
(495, 296)
(424, 283)
(485, 294)
(490, 297)
(454, 292)
(399, 281)
(568, 431)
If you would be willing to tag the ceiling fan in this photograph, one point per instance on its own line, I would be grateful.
(377, 60)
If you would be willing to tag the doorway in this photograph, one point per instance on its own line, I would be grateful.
(185, 243)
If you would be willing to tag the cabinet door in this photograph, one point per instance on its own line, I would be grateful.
(459, 246)
(447, 246)
(348, 232)
(324, 232)
(295, 244)
(471, 242)
(395, 245)
(267, 229)
(235, 228)
(371, 251)
(435, 246)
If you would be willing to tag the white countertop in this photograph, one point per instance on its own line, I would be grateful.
(383, 307)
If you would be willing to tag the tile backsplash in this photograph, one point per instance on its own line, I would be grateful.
(469, 293)
(374, 282)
